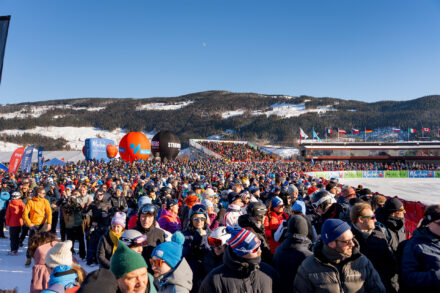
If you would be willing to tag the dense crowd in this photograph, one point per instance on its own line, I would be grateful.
(238, 152)
(212, 226)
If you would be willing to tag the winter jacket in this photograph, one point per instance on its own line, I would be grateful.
(211, 261)
(421, 260)
(214, 221)
(72, 213)
(232, 214)
(195, 248)
(289, 256)
(119, 204)
(104, 251)
(271, 226)
(354, 274)
(241, 275)
(14, 213)
(155, 236)
(100, 212)
(178, 280)
(37, 211)
(375, 247)
(393, 228)
(40, 273)
(62, 279)
(169, 222)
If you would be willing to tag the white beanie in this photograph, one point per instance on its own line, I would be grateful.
(59, 254)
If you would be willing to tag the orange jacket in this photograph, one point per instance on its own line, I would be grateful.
(37, 211)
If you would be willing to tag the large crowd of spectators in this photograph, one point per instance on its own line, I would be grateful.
(238, 152)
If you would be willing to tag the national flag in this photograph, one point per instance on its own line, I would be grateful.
(329, 130)
(368, 130)
(315, 135)
(302, 134)
(4, 26)
(355, 131)
(426, 129)
(341, 131)
(396, 130)
(411, 130)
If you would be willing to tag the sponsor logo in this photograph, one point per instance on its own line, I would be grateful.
(174, 145)
(137, 149)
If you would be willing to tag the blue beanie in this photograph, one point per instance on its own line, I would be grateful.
(332, 229)
(299, 206)
(171, 251)
(242, 241)
(276, 202)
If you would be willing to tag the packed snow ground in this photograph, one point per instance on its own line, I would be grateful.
(14, 274)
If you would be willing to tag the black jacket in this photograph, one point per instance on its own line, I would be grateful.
(238, 275)
(104, 251)
(375, 247)
(244, 221)
(289, 256)
(100, 212)
(393, 228)
(119, 204)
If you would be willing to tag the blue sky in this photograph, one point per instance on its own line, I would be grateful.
(352, 49)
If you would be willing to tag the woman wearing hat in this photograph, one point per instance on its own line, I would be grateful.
(109, 241)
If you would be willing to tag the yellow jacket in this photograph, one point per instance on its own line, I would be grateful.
(37, 211)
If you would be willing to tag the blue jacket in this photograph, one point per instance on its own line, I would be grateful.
(420, 261)
(62, 277)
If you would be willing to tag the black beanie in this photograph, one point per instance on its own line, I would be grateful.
(101, 280)
(392, 205)
(298, 225)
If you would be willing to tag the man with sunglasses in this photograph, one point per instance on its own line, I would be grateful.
(373, 244)
(391, 221)
(242, 269)
(337, 264)
(421, 255)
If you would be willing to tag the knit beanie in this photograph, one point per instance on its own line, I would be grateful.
(59, 254)
(242, 241)
(119, 219)
(299, 206)
(276, 202)
(298, 225)
(171, 251)
(332, 229)
(392, 205)
(125, 260)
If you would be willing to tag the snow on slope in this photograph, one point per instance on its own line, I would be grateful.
(229, 114)
(284, 152)
(163, 106)
(35, 112)
(75, 136)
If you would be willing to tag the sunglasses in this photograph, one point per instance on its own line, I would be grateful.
(197, 219)
(373, 217)
(214, 242)
(156, 262)
(346, 242)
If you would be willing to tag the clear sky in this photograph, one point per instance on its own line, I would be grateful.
(365, 50)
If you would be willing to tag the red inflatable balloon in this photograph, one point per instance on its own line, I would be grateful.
(134, 146)
(112, 151)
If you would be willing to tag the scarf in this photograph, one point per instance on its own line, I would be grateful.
(114, 238)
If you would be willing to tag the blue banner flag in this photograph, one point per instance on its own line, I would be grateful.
(26, 162)
(40, 159)
(315, 135)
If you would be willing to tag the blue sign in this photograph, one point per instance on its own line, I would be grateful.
(421, 174)
(96, 148)
(40, 159)
(26, 162)
(373, 174)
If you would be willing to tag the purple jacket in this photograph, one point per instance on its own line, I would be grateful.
(169, 222)
(214, 222)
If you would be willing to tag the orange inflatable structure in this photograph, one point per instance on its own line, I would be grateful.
(134, 146)
(112, 151)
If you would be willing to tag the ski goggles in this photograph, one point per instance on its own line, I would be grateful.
(156, 262)
(137, 241)
(214, 242)
(148, 209)
(323, 199)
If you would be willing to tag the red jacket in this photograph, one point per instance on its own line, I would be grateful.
(14, 213)
(271, 226)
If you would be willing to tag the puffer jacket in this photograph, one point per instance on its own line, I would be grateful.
(119, 204)
(178, 280)
(40, 273)
(289, 256)
(62, 279)
(240, 275)
(421, 261)
(318, 274)
(271, 226)
(375, 247)
(14, 213)
(169, 222)
(37, 211)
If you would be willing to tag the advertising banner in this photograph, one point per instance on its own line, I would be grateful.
(373, 174)
(421, 174)
(96, 149)
(396, 174)
(40, 159)
(352, 174)
(15, 161)
(26, 162)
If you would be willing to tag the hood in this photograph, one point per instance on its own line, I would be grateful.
(63, 274)
(298, 239)
(15, 202)
(37, 199)
(181, 276)
(426, 234)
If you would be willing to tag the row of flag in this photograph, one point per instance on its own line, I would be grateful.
(303, 135)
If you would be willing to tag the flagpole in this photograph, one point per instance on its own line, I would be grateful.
(365, 134)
